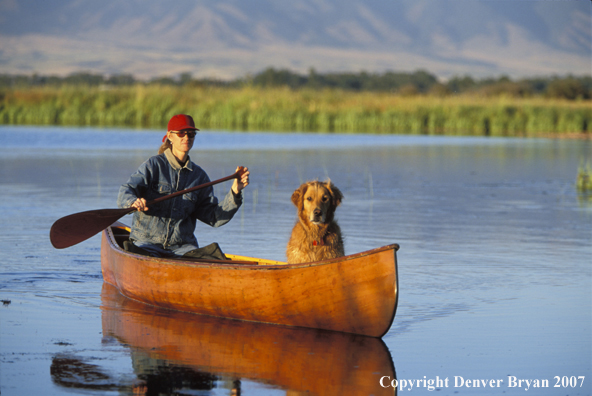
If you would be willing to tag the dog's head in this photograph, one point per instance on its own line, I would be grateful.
(316, 201)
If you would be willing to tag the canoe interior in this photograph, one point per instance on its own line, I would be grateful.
(121, 233)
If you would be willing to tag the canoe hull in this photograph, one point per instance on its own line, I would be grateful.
(353, 294)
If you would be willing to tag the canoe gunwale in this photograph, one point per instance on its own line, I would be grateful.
(240, 264)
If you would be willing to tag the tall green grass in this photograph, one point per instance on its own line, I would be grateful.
(282, 109)
(584, 179)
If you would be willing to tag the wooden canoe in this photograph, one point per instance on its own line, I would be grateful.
(353, 294)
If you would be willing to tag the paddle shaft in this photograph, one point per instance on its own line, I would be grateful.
(188, 190)
(75, 228)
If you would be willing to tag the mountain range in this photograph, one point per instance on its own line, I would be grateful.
(233, 38)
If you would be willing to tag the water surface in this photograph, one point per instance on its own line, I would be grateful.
(494, 266)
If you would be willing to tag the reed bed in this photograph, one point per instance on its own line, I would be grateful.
(283, 109)
(584, 179)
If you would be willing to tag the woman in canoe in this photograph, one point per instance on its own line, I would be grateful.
(167, 229)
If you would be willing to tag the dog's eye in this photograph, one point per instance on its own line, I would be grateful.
(325, 198)
(309, 198)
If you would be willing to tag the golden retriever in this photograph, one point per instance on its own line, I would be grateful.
(316, 235)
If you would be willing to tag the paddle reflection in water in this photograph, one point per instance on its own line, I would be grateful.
(180, 350)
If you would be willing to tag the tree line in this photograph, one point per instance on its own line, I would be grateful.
(419, 82)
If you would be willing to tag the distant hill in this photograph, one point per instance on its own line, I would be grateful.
(227, 39)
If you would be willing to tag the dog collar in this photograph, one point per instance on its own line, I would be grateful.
(321, 243)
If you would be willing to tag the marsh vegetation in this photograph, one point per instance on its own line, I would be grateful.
(279, 101)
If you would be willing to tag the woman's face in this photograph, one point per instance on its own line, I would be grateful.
(182, 141)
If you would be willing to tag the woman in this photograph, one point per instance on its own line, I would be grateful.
(167, 228)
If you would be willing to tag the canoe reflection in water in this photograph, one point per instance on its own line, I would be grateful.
(173, 351)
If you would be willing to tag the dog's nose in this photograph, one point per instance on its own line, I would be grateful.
(317, 212)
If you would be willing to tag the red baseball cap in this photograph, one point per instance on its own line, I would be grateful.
(180, 122)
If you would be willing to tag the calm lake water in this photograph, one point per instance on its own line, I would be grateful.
(494, 266)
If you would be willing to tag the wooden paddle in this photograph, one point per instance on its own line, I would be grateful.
(78, 227)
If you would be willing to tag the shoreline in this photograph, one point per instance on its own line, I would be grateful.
(584, 135)
(558, 135)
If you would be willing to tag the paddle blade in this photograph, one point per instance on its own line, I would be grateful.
(78, 227)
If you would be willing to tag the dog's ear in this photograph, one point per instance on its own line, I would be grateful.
(336, 194)
(297, 195)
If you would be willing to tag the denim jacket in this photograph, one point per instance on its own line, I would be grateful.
(173, 221)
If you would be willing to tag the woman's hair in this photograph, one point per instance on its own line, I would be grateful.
(166, 145)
